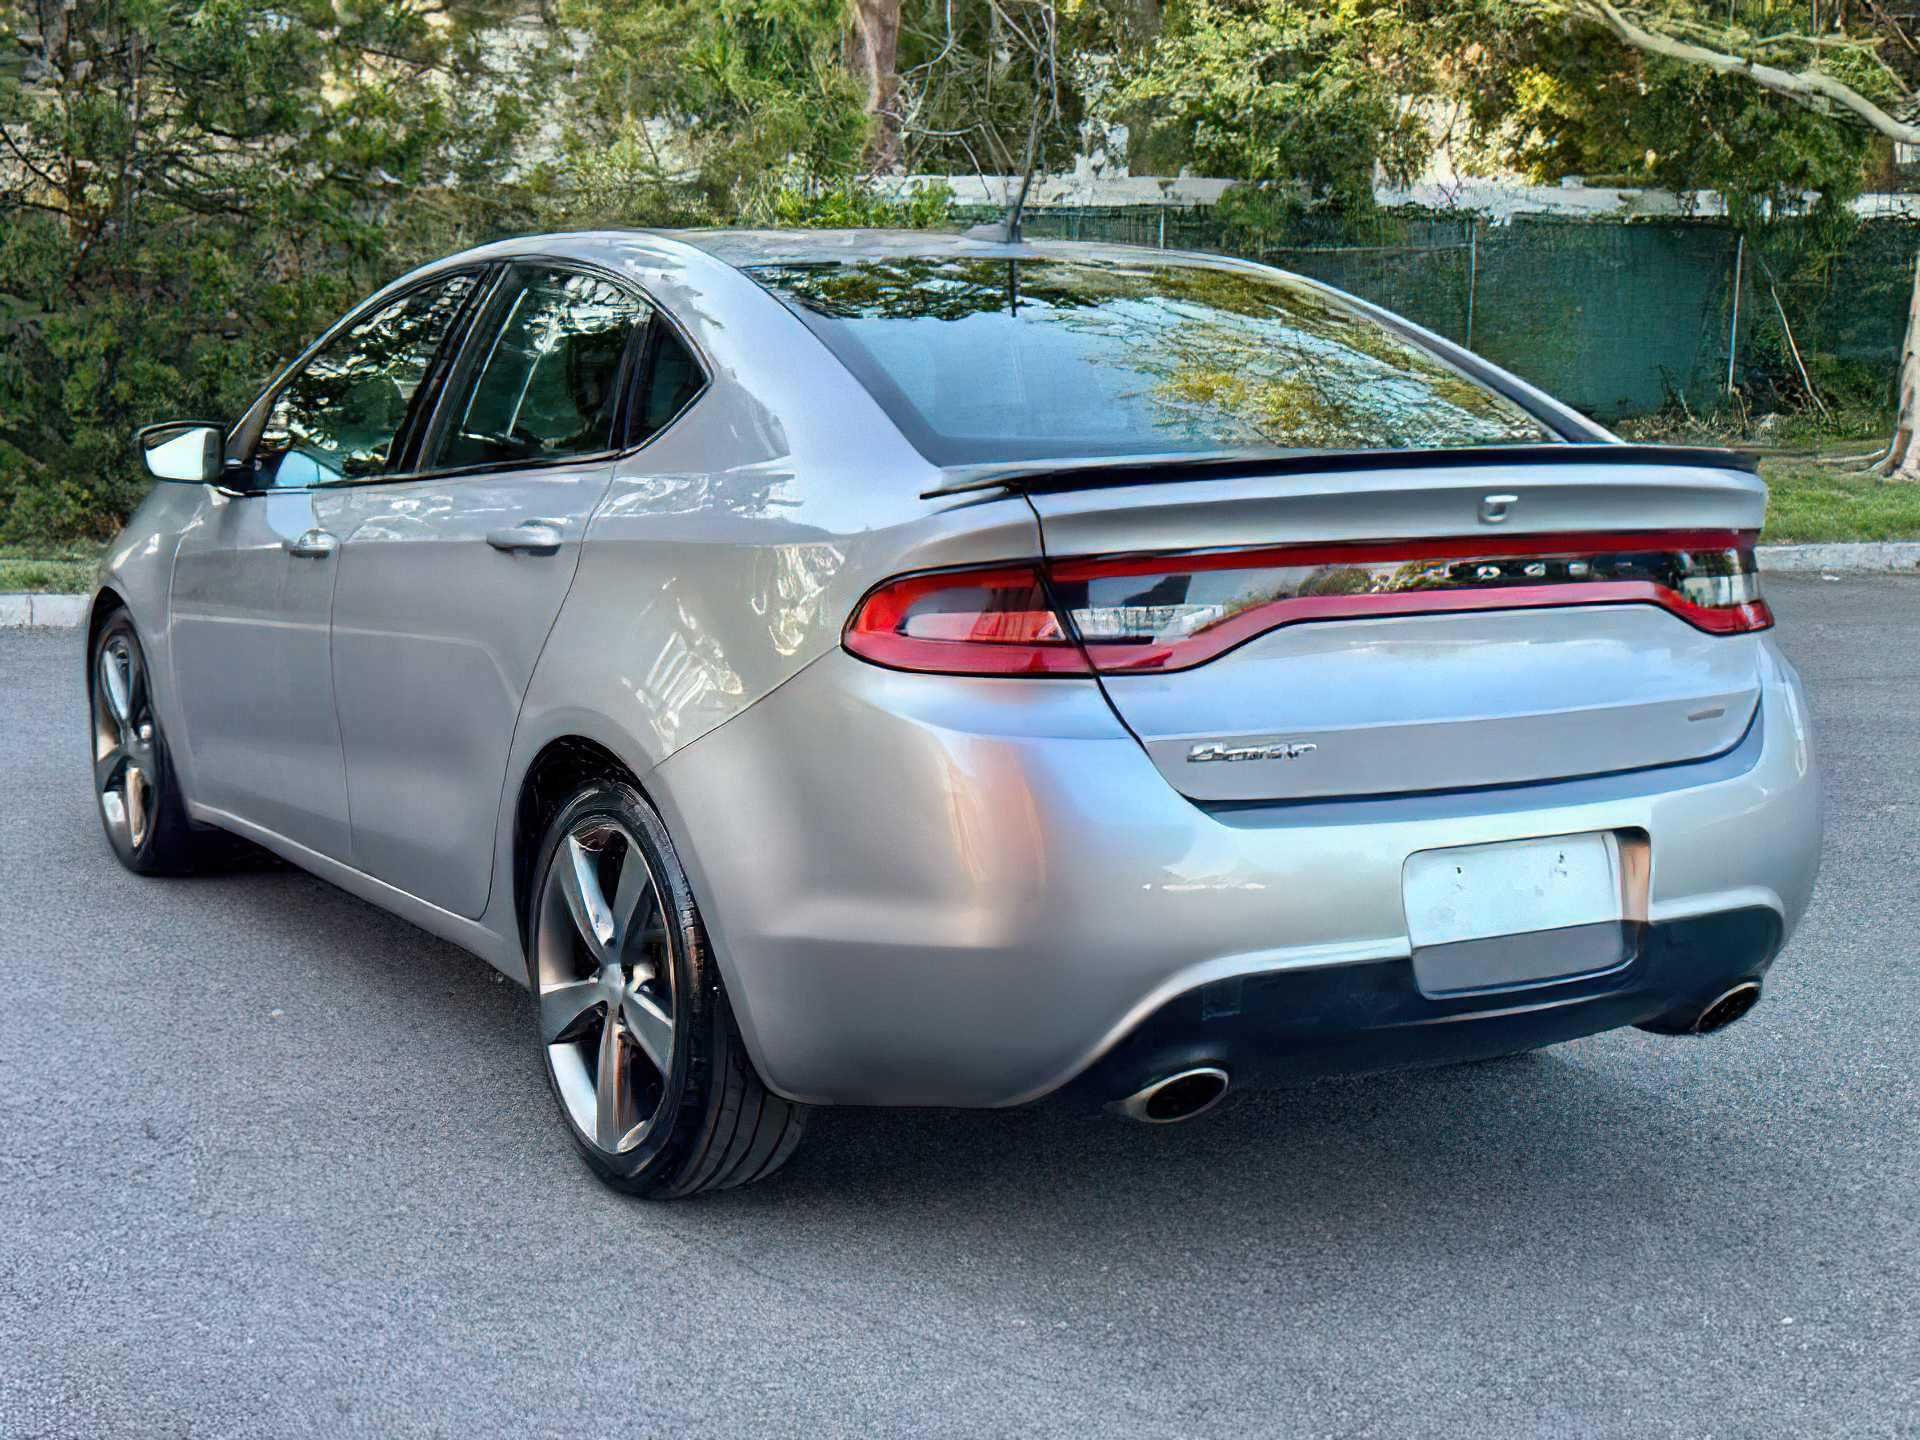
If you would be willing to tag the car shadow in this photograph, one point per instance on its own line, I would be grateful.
(1571, 1146)
(1547, 1151)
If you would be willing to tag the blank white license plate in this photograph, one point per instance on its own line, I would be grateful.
(1475, 892)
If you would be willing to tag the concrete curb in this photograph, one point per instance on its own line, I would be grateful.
(62, 611)
(1899, 557)
(1888, 557)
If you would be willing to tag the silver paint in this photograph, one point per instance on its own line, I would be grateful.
(1444, 701)
(1031, 886)
(919, 889)
(436, 633)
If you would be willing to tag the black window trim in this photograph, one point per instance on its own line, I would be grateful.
(485, 327)
(493, 279)
(451, 363)
(643, 378)
(253, 425)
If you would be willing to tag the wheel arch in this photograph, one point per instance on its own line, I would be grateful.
(562, 764)
(552, 777)
(106, 602)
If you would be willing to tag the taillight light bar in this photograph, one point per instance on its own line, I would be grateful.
(966, 622)
(1165, 612)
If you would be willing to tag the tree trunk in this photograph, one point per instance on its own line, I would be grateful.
(872, 54)
(1903, 459)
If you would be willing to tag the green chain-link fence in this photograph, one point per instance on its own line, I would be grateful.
(1618, 318)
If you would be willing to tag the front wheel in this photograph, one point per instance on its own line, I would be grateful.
(139, 799)
(640, 1044)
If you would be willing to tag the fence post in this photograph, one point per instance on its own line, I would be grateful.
(1163, 227)
(1473, 273)
(1733, 332)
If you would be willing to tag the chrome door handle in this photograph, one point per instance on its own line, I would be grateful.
(530, 537)
(314, 545)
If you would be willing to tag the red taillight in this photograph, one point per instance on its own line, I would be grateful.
(1137, 613)
(965, 622)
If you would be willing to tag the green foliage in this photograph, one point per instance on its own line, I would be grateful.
(1284, 91)
(1580, 105)
(704, 110)
(194, 189)
(849, 206)
(191, 189)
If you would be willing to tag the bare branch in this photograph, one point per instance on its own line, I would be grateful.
(1808, 87)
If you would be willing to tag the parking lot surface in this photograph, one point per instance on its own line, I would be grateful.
(273, 1163)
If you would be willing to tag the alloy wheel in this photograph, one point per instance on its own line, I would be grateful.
(603, 972)
(126, 772)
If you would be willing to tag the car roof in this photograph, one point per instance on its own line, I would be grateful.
(747, 248)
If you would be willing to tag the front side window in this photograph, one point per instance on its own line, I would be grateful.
(547, 383)
(339, 418)
(983, 360)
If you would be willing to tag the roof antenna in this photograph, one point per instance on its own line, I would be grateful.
(1006, 230)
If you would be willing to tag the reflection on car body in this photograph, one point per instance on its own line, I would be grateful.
(905, 669)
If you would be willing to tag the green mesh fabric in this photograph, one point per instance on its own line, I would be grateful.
(1617, 318)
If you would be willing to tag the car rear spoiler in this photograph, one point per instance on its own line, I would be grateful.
(1034, 476)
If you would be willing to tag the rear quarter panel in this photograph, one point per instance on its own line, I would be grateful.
(729, 552)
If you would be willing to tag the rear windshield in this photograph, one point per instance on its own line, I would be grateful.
(981, 360)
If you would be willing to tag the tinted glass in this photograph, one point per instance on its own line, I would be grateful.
(548, 384)
(673, 378)
(338, 418)
(983, 360)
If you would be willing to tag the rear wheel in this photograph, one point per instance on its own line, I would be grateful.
(140, 803)
(640, 1043)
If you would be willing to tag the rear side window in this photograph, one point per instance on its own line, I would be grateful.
(981, 360)
(673, 378)
(339, 417)
(547, 381)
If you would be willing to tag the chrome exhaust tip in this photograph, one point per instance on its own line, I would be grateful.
(1176, 1097)
(1711, 1018)
(1727, 1008)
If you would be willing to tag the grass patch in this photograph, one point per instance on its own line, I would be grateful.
(47, 569)
(1810, 503)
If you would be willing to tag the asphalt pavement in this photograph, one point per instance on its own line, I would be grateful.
(273, 1163)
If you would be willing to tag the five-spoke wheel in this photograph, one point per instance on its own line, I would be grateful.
(604, 974)
(640, 1043)
(123, 741)
(140, 806)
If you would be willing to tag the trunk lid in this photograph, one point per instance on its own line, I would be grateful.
(1378, 696)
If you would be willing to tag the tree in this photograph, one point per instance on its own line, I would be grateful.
(188, 190)
(1841, 72)
(701, 111)
(1555, 100)
(1307, 95)
(873, 55)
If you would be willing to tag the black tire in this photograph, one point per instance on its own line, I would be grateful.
(151, 835)
(713, 1124)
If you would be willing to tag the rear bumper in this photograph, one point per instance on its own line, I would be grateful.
(1286, 1026)
(939, 891)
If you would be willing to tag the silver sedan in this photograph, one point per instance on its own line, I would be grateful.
(907, 669)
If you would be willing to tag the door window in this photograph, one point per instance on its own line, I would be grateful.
(339, 418)
(548, 383)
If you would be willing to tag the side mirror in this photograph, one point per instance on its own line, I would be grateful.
(189, 451)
